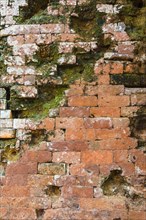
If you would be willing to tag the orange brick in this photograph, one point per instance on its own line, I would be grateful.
(108, 204)
(68, 146)
(117, 68)
(105, 111)
(97, 157)
(120, 156)
(90, 134)
(75, 134)
(114, 101)
(69, 123)
(47, 123)
(103, 79)
(136, 214)
(83, 101)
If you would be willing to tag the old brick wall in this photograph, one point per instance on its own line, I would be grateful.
(72, 110)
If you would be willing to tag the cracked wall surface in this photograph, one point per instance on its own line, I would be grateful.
(72, 110)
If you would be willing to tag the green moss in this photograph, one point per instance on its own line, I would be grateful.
(49, 97)
(5, 51)
(135, 20)
(89, 21)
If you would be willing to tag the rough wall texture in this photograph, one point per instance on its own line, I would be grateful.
(72, 110)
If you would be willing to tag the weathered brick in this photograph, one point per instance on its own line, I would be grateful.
(52, 28)
(98, 123)
(136, 214)
(68, 146)
(47, 123)
(74, 112)
(110, 90)
(15, 191)
(83, 101)
(74, 134)
(102, 203)
(2, 93)
(117, 68)
(97, 157)
(22, 213)
(105, 111)
(7, 133)
(66, 157)
(113, 101)
(6, 123)
(52, 168)
(69, 122)
(77, 192)
(129, 111)
(139, 99)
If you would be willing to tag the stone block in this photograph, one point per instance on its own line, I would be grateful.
(52, 168)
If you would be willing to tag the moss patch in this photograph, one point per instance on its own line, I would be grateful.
(89, 21)
(49, 97)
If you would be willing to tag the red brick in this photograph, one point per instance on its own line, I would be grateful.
(74, 112)
(114, 101)
(74, 91)
(4, 213)
(19, 180)
(75, 134)
(117, 68)
(117, 144)
(39, 180)
(77, 192)
(128, 168)
(97, 157)
(83, 101)
(23, 213)
(120, 156)
(22, 168)
(90, 134)
(136, 214)
(69, 123)
(47, 123)
(111, 133)
(98, 123)
(68, 146)
(67, 157)
(15, 191)
(84, 169)
(105, 111)
(110, 90)
(44, 156)
(108, 204)
(103, 79)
